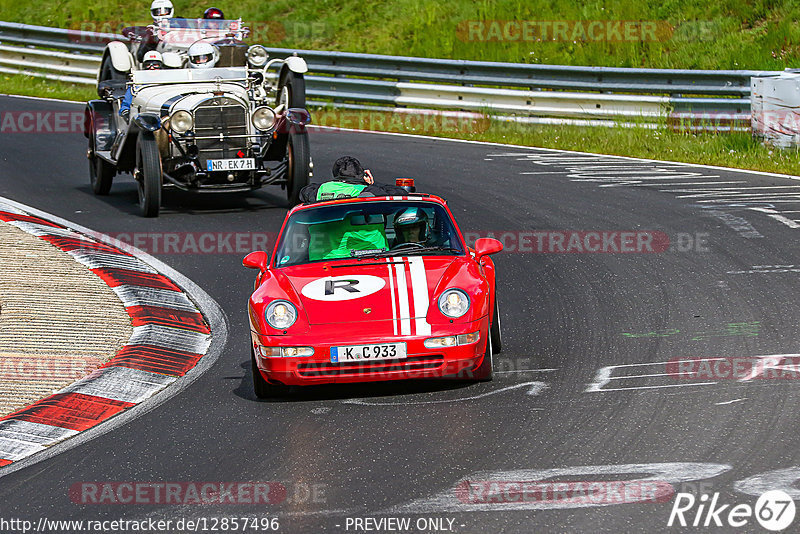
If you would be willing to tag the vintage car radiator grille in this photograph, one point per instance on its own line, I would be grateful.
(213, 120)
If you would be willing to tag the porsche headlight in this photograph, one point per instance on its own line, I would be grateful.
(452, 341)
(454, 303)
(281, 314)
(286, 352)
(257, 56)
(263, 118)
(181, 121)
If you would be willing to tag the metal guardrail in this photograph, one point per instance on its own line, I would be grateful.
(698, 99)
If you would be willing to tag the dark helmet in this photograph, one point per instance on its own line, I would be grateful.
(213, 13)
(347, 168)
(409, 218)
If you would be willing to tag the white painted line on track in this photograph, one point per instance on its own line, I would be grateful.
(526, 371)
(729, 402)
(535, 388)
(778, 217)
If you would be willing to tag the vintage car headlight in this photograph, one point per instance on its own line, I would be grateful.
(257, 56)
(281, 314)
(454, 303)
(181, 121)
(264, 118)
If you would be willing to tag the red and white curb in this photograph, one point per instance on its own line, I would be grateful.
(171, 336)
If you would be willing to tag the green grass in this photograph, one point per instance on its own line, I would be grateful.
(693, 34)
(15, 84)
(737, 150)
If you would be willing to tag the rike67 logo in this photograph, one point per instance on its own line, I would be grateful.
(774, 510)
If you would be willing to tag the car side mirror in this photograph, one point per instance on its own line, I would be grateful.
(487, 245)
(256, 260)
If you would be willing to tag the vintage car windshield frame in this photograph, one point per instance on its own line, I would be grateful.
(165, 76)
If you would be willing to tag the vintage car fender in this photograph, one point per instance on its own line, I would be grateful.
(125, 154)
(120, 57)
(296, 64)
(101, 114)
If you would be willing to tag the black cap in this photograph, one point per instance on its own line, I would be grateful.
(347, 168)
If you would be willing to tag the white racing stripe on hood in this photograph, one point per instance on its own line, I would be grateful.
(402, 294)
(419, 285)
(391, 292)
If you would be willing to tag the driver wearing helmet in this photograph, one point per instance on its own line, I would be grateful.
(202, 55)
(411, 226)
(152, 61)
(159, 10)
(213, 13)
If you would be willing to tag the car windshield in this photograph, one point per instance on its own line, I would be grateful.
(219, 25)
(184, 32)
(368, 229)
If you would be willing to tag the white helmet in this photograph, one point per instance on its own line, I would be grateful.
(152, 60)
(203, 55)
(161, 9)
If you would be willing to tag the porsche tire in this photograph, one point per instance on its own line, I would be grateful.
(494, 329)
(299, 156)
(485, 371)
(262, 388)
(148, 165)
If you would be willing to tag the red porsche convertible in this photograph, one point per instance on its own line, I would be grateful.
(369, 289)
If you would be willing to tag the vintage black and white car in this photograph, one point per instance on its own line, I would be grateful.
(237, 126)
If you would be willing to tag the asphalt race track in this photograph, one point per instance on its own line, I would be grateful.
(584, 392)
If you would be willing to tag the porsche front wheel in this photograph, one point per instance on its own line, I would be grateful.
(262, 388)
(148, 174)
(485, 371)
(494, 329)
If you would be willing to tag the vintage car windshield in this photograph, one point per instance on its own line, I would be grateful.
(200, 24)
(184, 32)
(189, 75)
(358, 230)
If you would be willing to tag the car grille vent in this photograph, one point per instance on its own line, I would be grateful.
(413, 363)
